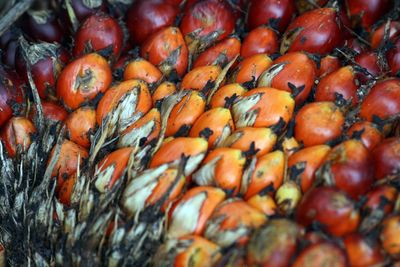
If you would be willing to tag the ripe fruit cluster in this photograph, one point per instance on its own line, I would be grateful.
(202, 133)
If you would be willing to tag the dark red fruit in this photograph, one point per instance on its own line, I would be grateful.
(272, 12)
(350, 168)
(145, 17)
(258, 41)
(99, 32)
(43, 25)
(370, 61)
(208, 17)
(367, 132)
(316, 31)
(321, 254)
(386, 156)
(328, 65)
(329, 207)
(366, 12)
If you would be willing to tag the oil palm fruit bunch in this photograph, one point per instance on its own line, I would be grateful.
(201, 133)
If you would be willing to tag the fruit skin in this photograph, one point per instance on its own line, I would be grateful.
(365, 13)
(221, 53)
(16, 132)
(51, 111)
(386, 156)
(251, 68)
(66, 190)
(199, 203)
(389, 236)
(80, 125)
(311, 157)
(341, 81)
(328, 65)
(331, 208)
(258, 41)
(42, 25)
(167, 50)
(377, 34)
(143, 70)
(67, 162)
(362, 251)
(100, 32)
(146, 17)
(274, 244)
(315, 31)
(82, 80)
(270, 11)
(208, 16)
(318, 123)
(291, 71)
(321, 254)
(383, 100)
(10, 93)
(198, 78)
(370, 61)
(367, 132)
(351, 168)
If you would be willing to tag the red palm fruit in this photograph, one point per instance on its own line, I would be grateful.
(67, 163)
(268, 172)
(259, 141)
(185, 113)
(366, 13)
(164, 90)
(393, 58)
(167, 50)
(194, 251)
(173, 149)
(389, 236)
(98, 33)
(272, 12)
(274, 244)
(201, 78)
(382, 101)
(80, 124)
(378, 34)
(226, 95)
(192, 212)
(337, 85)
(82, 9)
(124, 102)
(143, 70)
(233, 216)
(318, 123)
(382, 197)
(51, 111)
(363, 251)
(315, 31)
(367, 132)
(143, 131)
(9, 54)
(83, 79)
(386, 156)
(355, 45)
(331, 208)
(220, 54)
(261, 40)
(305, 5)
(223, 168)
(292, 72)
(264, 203)
(351, 168)
(66, 190)
(370, 62)
(263, 107)
(153, 187)
(215, 125)
(10, 94)
(321, 254)
(328, 65)
(42, 25)
(303, 164)
(45, 67)
(205, 18)
(251, 68)
(17, 134)
(111, 168)
(146, 17)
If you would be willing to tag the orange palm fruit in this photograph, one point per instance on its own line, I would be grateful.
(142, 69)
